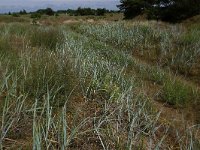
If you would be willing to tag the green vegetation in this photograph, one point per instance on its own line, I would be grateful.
(11, 19)
(72, 12)
(166, 10)
(47, 11)
(88, 11)
(171, 47)
(175, 92)
(35, 16)
(99, 85)
(49, 38)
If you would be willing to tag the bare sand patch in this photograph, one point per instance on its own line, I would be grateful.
(70, 21)
(90, 20)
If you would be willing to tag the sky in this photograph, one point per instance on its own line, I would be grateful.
(32, 5)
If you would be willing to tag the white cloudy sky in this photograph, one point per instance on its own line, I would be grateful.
(30, 5)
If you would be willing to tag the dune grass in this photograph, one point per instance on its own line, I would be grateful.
(60, 89)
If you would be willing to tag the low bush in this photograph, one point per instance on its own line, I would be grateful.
(15, 15)
(36, 15)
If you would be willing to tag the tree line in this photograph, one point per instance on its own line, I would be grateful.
(72, 12)
(165, 10)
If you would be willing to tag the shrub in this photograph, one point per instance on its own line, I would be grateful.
(35, 16)
(15, 15)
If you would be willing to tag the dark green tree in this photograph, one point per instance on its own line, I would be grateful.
(133, 8)
(49, 12)
(166, 10)
(23, 12)
(85, 11)
(178, 10)
(101, 12)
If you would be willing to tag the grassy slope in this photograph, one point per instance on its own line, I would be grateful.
(110, 98)
(158, 84)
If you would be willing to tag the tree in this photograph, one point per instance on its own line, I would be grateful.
(131, 8)
(166, 10)
(101, 12)
(23, 12)
(178, 10)
(84, 11)
(49, 12)
(87, 11)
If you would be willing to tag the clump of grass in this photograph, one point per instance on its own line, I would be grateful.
(157, 75)
(175, 92)
(19, 29)
(26, 74)
(12, 104)
(7, 51)
(11, 19)
(190, 37)
(154, 74)
(4, 45)
(49, 38)
(54, 132)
